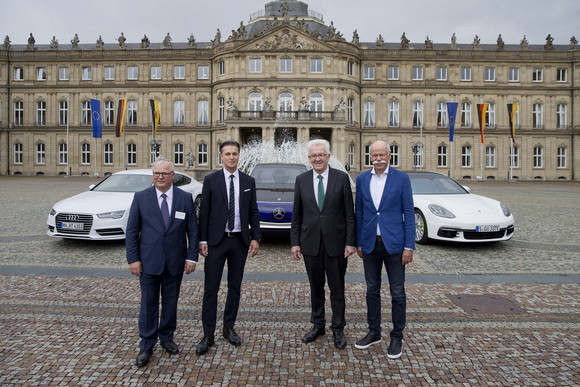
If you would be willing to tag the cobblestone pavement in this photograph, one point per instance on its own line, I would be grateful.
(499, 314)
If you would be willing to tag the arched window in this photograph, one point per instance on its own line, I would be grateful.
(255, 104)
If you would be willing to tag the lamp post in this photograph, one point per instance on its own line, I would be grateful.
(155, 146)
(416, 148)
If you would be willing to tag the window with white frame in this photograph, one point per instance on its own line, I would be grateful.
(538, 157)
(466, 156)
(86, 73)
(86, 113)
(178, 154)
(490, 156)
(351, 154)
(18, 153)
(514, 74)
(202, 155)
(18, 113)
(63, 73)
(394, 114)
(133, 73)
(466, 115)
(41, 73)
(219, 159)
(350, 110)
(489, 74)
(85, 153)
(255, 103)
(394, 161)
(202, 113)
(417, 114)
(537, 75)
(255, 65)
(350, 68)
(109, 73)
(490, 116)
(132, 113)
(40, 153)
(155, 72)
(441, 115)
(561, 157)
(561, 75)
(316, 101)
(221, 110)
(178, 72)
(62, 113)
(109, 113)
(221, 67)
(62, 153)
(442, 156)
(153, 154)
(40, 113)
(393, 73)
(316, 65)
(285, 65)
(132, 154)
(178, 113)
(18, 74)
(561, 116)
(285, 104)
(369, 114)
(367, 156)
(108, 153)
(466, 74)
(441, 73)
(369, 72)
(203, 72)
(537, 116)
(515, 157)
(517, 118)
(417, 73)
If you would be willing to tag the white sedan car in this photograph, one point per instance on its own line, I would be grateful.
(445, 210)
(102, 212)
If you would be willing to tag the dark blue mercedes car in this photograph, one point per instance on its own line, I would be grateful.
(275, 193)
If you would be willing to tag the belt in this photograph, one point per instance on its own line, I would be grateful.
(233, 234)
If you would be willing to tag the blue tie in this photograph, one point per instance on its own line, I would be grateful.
(232, 205)
(165, 210)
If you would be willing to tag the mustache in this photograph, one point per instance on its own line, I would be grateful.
(377, 162)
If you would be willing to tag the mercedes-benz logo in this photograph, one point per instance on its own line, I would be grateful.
(278, 213)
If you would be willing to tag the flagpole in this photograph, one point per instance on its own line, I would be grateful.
(512, 159)
(421, 140)
(67, 144)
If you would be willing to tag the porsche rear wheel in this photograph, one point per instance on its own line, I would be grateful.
(421, 234)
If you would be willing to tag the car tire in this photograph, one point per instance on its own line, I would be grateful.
(421, 231)
(197, 205)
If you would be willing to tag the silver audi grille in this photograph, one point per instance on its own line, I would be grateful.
(74, 224)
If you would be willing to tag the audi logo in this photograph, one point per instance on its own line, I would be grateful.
(278, 213)
(72, 217)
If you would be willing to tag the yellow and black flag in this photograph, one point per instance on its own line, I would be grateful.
(512, 112)
(481, 111)
(154, 114)
(120, 117)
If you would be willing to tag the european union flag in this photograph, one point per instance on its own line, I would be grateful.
(96, 116)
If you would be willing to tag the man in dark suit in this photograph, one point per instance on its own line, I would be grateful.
(229, 228)
(385, 229)
(161, 223)
(323, 231)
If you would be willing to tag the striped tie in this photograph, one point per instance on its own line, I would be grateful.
(232, 205)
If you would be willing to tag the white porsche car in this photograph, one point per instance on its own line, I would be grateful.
(102, 212)
(445, 210)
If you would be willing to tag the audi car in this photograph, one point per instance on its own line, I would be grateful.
(102, 212)
(446, 210)
(275, 193)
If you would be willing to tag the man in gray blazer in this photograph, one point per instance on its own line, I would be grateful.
(323, 231)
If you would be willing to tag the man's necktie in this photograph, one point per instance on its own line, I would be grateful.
(320, 192)
(232, 205)
(165, 210)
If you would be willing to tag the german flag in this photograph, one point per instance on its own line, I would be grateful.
(512, 111)
(154, 114)
(481, 110)
(120, 117)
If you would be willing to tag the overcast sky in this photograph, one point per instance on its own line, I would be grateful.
(417, 18)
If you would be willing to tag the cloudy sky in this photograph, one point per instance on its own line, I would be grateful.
(417, 18)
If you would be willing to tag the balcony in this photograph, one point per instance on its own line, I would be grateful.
(286, 116)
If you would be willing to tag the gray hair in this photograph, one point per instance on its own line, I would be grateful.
(161, 160)
(319, 141)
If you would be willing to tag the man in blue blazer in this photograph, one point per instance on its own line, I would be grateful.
(385, 229)
(161, 223)
(229, 229)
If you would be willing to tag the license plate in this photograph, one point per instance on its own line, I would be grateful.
(71, 226)
(486, 228)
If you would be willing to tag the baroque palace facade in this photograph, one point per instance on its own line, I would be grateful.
(288, 75)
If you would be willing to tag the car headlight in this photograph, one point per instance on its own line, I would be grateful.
(52, 212)
(111, 215)
(506, 211)
(442, 212)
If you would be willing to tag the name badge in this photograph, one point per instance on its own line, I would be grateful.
(179, 215)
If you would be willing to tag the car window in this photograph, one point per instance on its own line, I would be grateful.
(124, 183)
(276, 176)
(179, 180)
(428, 184)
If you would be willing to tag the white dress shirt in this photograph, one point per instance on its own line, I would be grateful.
(377, 188)
(237, 222)
(169, 198)
(315, 182)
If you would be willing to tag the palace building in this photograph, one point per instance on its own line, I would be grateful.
(288, 75)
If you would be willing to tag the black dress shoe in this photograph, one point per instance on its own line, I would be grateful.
(395, 349)
(370, 339)
(204, 345)
(170, 347)
(313, 334)
(144, 357)
(232, 337)
(339, 340)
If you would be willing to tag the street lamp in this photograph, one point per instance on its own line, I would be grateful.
(416, 148)
(155, 146)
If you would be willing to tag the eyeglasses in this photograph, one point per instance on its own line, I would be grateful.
(381, 155)
(164, 174)
(320, 156)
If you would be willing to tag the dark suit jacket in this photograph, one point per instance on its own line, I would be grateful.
(213, 214)
(335, 224)
(395, 215)
(147, 240)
